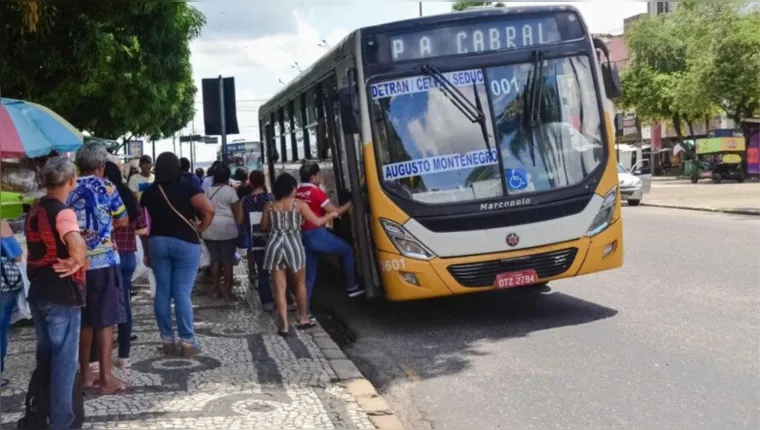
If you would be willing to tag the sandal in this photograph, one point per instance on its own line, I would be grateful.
(168, 349)
(306, 326)
(283, 334)
(123, 388)
(189, 349)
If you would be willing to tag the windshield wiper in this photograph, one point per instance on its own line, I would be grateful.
(532, 95)
(474, 113)
(536, 89)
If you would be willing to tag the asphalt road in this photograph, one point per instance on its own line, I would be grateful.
(670, 341)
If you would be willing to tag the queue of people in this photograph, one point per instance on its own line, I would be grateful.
(82, 243)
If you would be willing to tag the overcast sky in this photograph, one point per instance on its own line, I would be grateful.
(258, 41)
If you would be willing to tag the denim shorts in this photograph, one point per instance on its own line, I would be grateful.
(105, 298)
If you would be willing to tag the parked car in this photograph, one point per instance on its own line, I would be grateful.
(634, 183)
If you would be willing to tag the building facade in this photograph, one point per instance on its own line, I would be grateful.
(661, 7)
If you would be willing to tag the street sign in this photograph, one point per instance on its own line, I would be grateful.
(198, 138)
(192, 138)
(135, 148)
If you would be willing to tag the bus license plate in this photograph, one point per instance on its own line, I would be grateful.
(516, 279)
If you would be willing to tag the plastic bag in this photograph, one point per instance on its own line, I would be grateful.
(141, 270)
(21, 311)
(205, 256)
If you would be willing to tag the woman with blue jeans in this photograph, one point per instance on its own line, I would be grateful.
(173, 250)
(10, 251)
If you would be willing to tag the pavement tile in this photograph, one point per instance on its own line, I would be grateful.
(247, 377)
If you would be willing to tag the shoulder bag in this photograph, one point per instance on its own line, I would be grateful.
(160, 188)
(10, 276)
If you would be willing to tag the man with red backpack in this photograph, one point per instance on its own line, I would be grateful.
(56, 265)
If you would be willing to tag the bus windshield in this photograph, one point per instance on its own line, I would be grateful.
(545, 130)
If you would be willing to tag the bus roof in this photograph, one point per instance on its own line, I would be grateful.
(345, 48)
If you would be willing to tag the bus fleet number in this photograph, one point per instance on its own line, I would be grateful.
(504, 86)
(392, 265)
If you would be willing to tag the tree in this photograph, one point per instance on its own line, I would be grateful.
(732, 78)
(111, 68)
(462, 5)
(689, 65)
(658, 61)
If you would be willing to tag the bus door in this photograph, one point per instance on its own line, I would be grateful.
(349, 167)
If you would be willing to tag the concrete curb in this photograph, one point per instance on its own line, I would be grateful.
(349, 376)
(755, 212)
(376, 408)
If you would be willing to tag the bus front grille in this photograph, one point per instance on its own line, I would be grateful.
(484, 273)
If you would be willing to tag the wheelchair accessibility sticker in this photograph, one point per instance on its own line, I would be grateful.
(517, 179)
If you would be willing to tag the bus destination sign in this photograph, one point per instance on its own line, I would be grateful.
(503, 34)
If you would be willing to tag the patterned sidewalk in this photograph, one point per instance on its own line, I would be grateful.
(706, 196)
(247, 377)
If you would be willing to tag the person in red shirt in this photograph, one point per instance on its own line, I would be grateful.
(319, 240)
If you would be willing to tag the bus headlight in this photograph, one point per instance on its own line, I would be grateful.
(602, 219)
(404, 242)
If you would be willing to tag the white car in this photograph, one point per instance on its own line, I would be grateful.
(633, 185)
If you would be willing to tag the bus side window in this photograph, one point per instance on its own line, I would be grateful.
(272, 142)
(323, 140)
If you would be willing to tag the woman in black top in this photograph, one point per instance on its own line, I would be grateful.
(173, 249)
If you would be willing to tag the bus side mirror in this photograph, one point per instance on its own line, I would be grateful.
(611, 77)
(274, 156)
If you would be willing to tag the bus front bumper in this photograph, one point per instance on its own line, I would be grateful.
(409, 279)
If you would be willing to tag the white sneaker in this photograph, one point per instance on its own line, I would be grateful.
(356, 291)
(95, 367)
(123, 363)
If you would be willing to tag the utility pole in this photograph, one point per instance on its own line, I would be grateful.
(420, 9)
(192, 148)
(174, 142)
(223, 119)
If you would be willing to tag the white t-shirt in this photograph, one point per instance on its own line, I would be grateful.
(223, 226)
(139, 183)
(206, 184)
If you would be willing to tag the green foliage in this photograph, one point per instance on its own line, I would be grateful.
(732, 78)
(462, 5)
(111, 68)
(658, 59)
(693, 63)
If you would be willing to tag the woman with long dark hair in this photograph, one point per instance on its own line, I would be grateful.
(173, 250)
(254, 203)
(126, 244)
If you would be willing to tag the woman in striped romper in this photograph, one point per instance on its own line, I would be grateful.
(284, 251)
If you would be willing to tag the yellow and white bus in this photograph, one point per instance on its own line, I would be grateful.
(476, 147)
